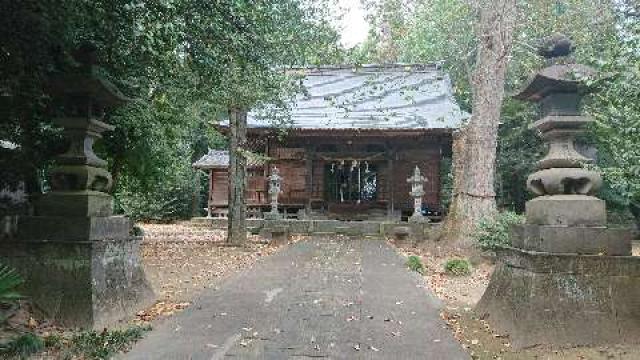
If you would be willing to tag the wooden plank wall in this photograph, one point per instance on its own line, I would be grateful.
(383, 181)
(291, 159)
(294, 181)
(220, 181)
(317, 192)
(256, 189)
(429, 164)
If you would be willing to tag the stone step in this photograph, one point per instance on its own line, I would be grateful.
(322, 235)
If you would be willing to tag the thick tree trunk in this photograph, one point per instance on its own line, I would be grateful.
(237, 230)
(475, 146)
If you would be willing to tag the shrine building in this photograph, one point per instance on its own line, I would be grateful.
(353, 137)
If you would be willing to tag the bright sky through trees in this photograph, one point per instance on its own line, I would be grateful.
(352, 25)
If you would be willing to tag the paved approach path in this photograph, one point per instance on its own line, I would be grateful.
(335, 299)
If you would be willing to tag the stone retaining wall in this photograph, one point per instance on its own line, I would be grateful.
(351, 228)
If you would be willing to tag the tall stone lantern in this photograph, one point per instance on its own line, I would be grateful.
(275, 188)
(81, 264)
(568, 278)
(417, 192)
(80, 183)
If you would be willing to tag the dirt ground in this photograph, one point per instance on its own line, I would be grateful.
(181, 260)
(460, 295)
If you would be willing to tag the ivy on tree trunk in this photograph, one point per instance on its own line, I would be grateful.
(237, 230)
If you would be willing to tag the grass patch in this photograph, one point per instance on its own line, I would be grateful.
(457, 267)
(415, 264)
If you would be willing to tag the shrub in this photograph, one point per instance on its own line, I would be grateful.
(494, 233)
(167, 197)
(457, 267)
(415, 264)
(105, 344)
(137, 230)
(9, 280)
(22, 347)
(54, 342)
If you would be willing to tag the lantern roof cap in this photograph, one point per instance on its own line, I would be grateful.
(563, 78)
(554, 46)
(87, 79)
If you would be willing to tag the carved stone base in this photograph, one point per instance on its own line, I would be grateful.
(80, 177)
(594, 240)
(567, 210)
(558, 181)
(541, 298)
(418, 219)
(90, 278)
(75, 204)
(56, 228)
(275, 233)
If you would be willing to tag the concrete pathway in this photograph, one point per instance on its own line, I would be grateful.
(335, 299)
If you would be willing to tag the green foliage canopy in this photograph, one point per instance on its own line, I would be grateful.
(605, 34)
(615, 107)
(185, 63)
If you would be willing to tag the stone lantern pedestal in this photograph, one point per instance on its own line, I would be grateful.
(81, 265)
(568, 278)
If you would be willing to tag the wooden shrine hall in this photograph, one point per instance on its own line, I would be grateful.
(354, 136)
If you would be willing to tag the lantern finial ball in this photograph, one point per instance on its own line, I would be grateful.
(554, 46)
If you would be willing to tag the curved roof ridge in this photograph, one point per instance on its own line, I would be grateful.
(407, 67)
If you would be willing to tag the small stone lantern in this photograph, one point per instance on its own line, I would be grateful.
(275, 184)
(417, 191)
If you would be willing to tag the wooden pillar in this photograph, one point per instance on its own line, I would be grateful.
(390, 158)
(310, 152)
(237, 230)
(210, 196)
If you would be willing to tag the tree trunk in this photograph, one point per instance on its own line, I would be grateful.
(237, 230)
(475, 146)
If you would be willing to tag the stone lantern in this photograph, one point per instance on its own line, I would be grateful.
(275, 188)
(80, 183)
(81, 264)
(417, 191)
(568, 278)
